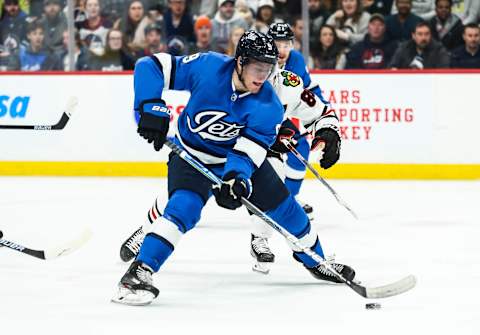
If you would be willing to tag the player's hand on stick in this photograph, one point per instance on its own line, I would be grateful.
(232, 189)
(284, 134)
(328, 141)
(154, 123)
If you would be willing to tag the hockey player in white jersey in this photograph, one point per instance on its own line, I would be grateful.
(318, 119)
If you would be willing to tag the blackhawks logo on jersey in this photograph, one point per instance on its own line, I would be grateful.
(290, 79)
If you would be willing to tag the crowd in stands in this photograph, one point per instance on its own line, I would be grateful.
(110, 35)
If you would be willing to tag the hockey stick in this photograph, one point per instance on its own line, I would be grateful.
(299, 156)
(71, 104)
(52, 253)
(385, 291)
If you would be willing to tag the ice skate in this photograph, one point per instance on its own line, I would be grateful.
(131, 247)
(307, 209)
(136, 286)
(320, 272)
(262, 255)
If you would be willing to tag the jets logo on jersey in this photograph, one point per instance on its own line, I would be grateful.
(209, 125)
(290, 79)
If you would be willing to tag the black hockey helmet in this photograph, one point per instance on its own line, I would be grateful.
(281, 32)
(258, 46)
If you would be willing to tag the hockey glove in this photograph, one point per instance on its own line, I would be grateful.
(153, 125)
(232, 189)
(330, 141)
(284, 134)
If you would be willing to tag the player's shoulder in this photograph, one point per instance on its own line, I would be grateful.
(296, 58)
(288, 86)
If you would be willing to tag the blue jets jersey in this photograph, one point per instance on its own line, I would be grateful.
(218, 125)
(296, 64)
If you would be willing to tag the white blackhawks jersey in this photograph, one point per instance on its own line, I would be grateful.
(302, 104)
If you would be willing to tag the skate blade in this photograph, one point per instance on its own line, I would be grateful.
(129, 297)
(261, 267)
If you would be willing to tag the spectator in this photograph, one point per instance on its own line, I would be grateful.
(208, 8)
(178, 46)
(446, 27)
(375, 51)
(80, 54)
(153, 41)
(421, 52)
(468, 56)
(93, 31)
(235, 35)
(265, 16)
(79, 13)
(203, 34)
(425, 9)
(297, 28)
(13, 25)
(350, 21)
(471, 12)
(318, 15)
(155, 14)
(133, 26)
(115, 57)
(113, 10)
(34, 56)
(328, 52)
(224, 21)
(400, 26)
(383, 7)
(8, 59)
(178, 22)
(245, 12)
(54, 24)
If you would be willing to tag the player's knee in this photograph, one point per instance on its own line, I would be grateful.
(184, 208)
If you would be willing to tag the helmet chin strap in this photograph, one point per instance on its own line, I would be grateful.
(240, 75)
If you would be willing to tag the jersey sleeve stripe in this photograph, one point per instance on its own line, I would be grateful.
(259, 143)
(253, 150)
(165, 64)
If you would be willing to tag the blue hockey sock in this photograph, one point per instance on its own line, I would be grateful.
(155, 251)
(293, 185)
(307, 260)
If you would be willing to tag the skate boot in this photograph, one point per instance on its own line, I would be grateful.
(261, 254)
(131, 247)
(320, 272)
(136, 286)
(307, 209)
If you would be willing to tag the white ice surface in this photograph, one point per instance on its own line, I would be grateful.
(429, 229)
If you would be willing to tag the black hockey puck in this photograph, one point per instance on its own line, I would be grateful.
(373, 305)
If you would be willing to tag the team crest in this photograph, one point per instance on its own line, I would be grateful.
(290, 79)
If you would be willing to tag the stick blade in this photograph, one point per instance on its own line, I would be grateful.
(69, 247)
(396, 288)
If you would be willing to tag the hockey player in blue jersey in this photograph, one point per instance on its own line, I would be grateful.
(292, 60)
(229, 122)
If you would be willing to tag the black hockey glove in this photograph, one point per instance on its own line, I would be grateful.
(284, 134)
(233, 188)
(153, 126)
(327, 140)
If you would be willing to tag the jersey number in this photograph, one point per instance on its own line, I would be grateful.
(308, 97)
(190, 58)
